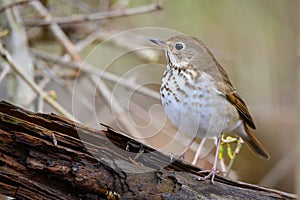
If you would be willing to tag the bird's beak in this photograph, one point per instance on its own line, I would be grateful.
(159, 42)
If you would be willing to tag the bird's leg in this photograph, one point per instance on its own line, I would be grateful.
(182, 154)
(213, 171)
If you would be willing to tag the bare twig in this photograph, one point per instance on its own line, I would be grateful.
(14, 3)
(79, 46)
(40, 104)
(80, 5)
(120, 112)
(4, 72)
(132, 41)
(89, 39)
(236, 152)
(7, 57)
(86, 68)
(46, 80)
(74, 53)
(41, 84)
(95, 16)
(58, 33)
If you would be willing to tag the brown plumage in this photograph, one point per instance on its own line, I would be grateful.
(193, 71)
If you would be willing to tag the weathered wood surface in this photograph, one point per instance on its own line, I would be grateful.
(48, 157)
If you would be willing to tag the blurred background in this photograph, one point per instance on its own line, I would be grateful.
(104, 69)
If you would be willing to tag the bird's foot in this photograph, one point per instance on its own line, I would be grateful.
(211, 175)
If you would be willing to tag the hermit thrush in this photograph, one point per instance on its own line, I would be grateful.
(200, 99)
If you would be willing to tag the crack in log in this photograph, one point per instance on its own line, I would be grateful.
(97, 164)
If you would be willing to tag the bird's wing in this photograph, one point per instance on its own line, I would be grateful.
(226, 88)
(240, 105)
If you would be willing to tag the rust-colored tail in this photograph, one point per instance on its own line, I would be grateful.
(254, 144)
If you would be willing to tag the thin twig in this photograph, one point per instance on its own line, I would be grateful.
(41, 84)
(79, 46)
(120, 112)
(134, 42)
(58, 33)
(7, 57)
(140, 112)
(46, 80)
(40, 104)
(4, 72)
(80, 5)
(14, 3)
(89, 39)
(236, 152)
(87, 68)
(95, 16)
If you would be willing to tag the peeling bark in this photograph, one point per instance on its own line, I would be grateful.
(49, 157)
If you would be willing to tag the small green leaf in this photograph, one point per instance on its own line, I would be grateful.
(229, 151)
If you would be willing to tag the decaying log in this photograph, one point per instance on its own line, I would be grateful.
(49, 157)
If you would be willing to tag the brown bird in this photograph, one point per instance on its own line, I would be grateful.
(200, 99)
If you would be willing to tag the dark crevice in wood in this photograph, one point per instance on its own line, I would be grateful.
(97, 164)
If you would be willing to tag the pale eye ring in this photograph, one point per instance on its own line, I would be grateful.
(179, 46)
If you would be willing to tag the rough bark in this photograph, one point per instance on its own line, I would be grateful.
(49, 157)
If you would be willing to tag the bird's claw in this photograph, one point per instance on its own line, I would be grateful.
(210, 176)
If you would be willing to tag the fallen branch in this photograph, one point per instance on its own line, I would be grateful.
(49, 157)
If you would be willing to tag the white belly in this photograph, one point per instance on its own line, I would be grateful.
(197, 109)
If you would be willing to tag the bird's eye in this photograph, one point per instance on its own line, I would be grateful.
(179, 46)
